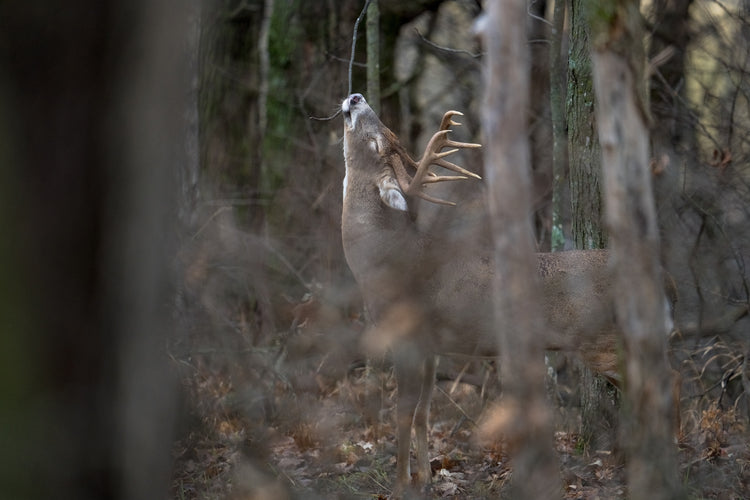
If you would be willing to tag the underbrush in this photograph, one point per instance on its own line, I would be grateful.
(260, 433)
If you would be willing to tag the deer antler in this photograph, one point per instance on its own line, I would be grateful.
(433, 156)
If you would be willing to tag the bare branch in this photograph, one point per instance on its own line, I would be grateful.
(354, 43)
(446, 49)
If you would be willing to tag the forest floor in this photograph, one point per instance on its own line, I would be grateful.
(259, 430)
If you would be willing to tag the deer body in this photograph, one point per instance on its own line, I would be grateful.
(428, 295)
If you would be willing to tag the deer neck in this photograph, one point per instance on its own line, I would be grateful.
(378, 240)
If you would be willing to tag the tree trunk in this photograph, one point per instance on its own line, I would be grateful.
(540, 124)
(90, 130)
(668, 50)
(524, 420)
(619, 82)
(231, 115)
(585, 153)
(674, 145)
(561, 229)
(189, 169)
(264, 75)
(598, 420)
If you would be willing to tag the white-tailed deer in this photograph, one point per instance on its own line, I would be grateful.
(428, 295)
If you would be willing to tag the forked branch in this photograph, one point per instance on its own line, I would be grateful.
(434, 155)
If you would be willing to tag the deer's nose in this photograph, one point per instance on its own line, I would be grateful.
(355, 99)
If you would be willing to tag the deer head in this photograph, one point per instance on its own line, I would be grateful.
(367, 139)
(381, 183)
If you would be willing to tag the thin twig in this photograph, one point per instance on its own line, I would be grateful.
(454, 386)
(351, 62)
(211, 218)
(534, 16)
(354, 43)
(336, 58)
(445, 49)
(322, 119)
(676, 95)
(286, 263)
(458, 407)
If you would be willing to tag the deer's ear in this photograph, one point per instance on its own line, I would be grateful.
(391, 194)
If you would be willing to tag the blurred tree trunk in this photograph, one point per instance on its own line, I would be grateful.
(524, 418)
(264, 77)
(585, 153)
(673, 140)
(668, 52)
(598, 401)
(620, 84)
(92, 119)
(540, 124)
(189, 170)
(228, 101)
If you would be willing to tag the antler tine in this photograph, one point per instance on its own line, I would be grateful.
(432, 199)
(447, 120)
(455, 168)
(445, 124)
(434, 155)
(438, 178)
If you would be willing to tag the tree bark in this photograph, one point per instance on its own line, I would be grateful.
(585, 153)
(524, 417)
(598, 420)
(561, 222)
(619, 81)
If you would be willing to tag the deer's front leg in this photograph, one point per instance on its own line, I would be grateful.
(409, 383)
(415, 377)
(421, 417)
